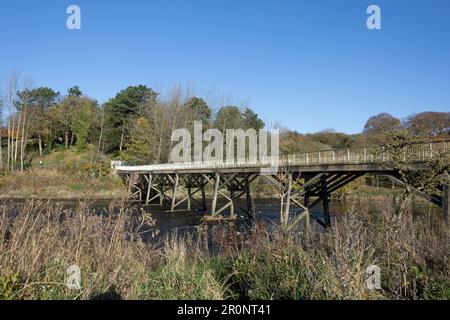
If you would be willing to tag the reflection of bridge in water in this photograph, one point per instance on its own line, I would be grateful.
(301, 181)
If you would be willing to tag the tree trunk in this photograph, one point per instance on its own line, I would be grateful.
(406, 201)
(40, 146)
(11, 155)
(24, 146)
(9, 144)
(17, 138)
(22, 139)
(66, 139)
(101, 133)
(121, 138)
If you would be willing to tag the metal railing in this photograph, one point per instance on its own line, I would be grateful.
(328, 157)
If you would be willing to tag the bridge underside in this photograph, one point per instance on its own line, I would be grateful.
(299, 189)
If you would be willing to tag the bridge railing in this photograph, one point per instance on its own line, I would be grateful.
(364, 155)
(348, 156)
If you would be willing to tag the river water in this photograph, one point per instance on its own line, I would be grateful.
(183, 222)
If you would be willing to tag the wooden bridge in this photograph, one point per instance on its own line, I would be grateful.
(301, 181)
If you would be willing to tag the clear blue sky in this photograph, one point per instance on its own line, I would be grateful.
(310, 65)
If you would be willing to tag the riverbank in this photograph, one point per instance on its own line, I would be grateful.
(64, 174)
(39, 244)
(51, 184)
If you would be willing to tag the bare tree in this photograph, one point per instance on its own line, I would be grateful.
(402, 147)
(11, 88)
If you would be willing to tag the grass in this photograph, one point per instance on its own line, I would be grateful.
(65, 174)
(40, 240)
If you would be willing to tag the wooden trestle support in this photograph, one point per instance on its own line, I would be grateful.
(299, 192)
(294, 189)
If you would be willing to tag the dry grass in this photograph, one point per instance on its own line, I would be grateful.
(39, 240)
(43, 240)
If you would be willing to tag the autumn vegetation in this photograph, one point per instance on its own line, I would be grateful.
(117, 262)
(59, 145)
(136, 125)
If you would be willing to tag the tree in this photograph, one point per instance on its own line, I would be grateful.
(251, 120)
(75, 92)
(37, 101)
(377, 127)
(139, 148)
(64, 112)
(400, 147)
(120, 111)
(198, 109)
(335, 140)
(229, 117)
(434, 124)
(82, 116)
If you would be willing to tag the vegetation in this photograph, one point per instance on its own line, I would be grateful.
(136, 125)
(64, 174)
(117, 262)
(60, 146)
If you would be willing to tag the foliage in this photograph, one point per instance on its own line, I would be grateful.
(412, 250)
(380, 125)
(120, 110)
(400, 147)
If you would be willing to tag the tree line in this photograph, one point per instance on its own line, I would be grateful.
(136, 125)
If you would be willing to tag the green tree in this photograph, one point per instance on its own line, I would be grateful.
(138, 149)
(75, 92)
(38, 102)
(229, 117)
(251, 120)
(120, 111)
(82, 116)
(198, 109)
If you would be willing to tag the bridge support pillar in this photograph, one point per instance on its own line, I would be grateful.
(175, 189)
(286, 200)
(202, 190)
(149, 188)
(326, 211)
(189, 198)
(215, 194)
(250, 203)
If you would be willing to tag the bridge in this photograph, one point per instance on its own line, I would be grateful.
(301, 181)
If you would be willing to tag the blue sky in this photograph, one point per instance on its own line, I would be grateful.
(310, 65)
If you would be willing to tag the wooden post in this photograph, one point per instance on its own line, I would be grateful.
(149, 188)
(161, 195)
(216, 192)
(326, 213)
(189, 199)
(175, 188)
(286, 205)
(306, 203)
(248, 195)
(202, 190)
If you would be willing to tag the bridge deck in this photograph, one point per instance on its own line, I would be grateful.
(306, 179)
(364, 160)
(248, 168)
